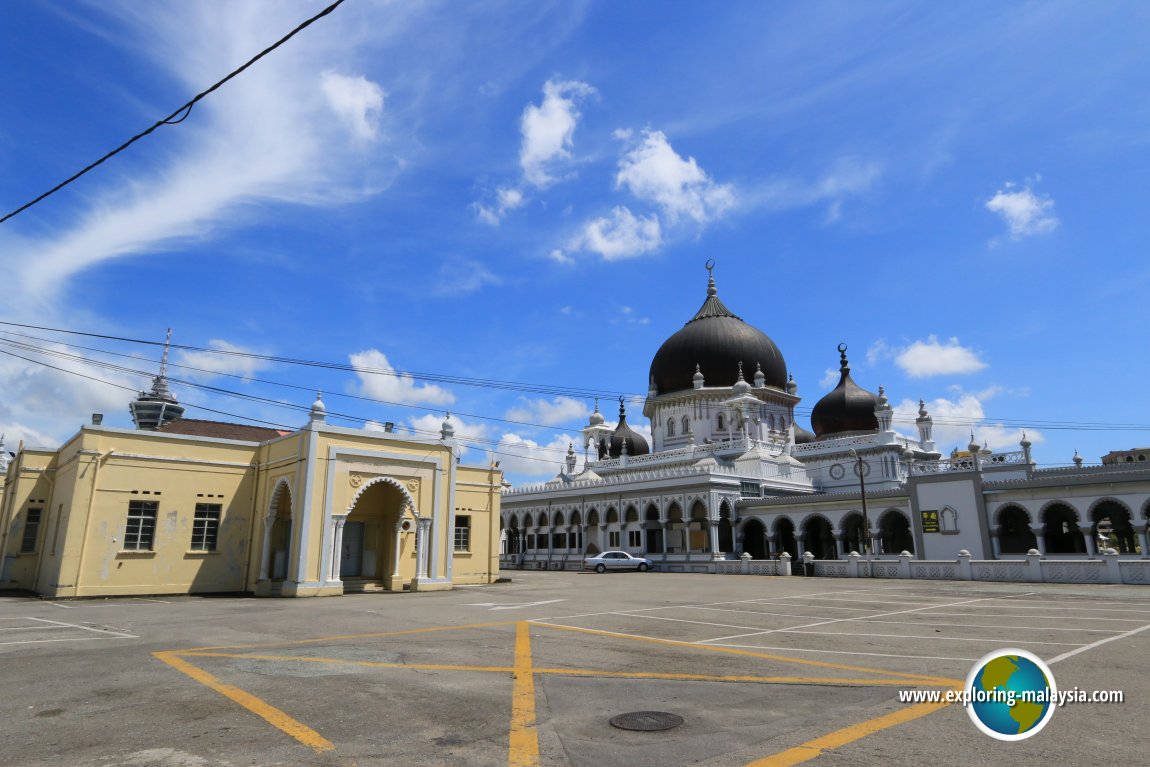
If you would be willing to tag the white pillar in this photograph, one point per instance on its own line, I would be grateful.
(1145, 540)
(423, 542)
(713, 531)
(1039, 538)
(337, 524)
(398, 549)
(265, 559)
(995, 544)
(1088, 534)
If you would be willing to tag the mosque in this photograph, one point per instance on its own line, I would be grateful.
(732, 474)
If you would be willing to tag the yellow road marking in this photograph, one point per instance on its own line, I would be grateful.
(813, 748)
(523, 750)
(344, 637)
(268, 713)
(560, 671)
(921, 678)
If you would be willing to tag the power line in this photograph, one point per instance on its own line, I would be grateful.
(180, 114)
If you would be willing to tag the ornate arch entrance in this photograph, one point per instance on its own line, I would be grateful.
(375, 539)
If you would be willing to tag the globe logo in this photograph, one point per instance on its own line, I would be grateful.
(1011, 694)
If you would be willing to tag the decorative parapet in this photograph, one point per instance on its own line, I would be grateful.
(966, 463)
(668, 472)
(723, 448)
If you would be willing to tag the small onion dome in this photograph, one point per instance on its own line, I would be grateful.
(741, 386)
(802, 436)
(596, 417)
(447, 430)
(973, 446)
(792, 387)
(625, 435)
(847, 408)
(697, 380)
(881, 400)
(318, 407)
(1025, 443)
(1077, 458)
(717, 340)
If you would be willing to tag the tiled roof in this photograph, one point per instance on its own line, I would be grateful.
(220, 430)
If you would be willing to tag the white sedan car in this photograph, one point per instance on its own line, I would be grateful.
(616, 560)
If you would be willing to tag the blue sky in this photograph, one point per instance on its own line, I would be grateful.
(528, 191)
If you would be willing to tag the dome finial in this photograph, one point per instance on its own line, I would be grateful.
(711, 290)
(622, 410)
(844, 366)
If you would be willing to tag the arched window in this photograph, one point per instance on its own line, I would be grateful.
(670, 427)
(949, 520)
(686, 425)
(720, 422)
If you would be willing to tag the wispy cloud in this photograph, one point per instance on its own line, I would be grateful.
(848, 178)
(1025, 213)
(956, 418)
(278, 133)
(459, 276)
(209, 365)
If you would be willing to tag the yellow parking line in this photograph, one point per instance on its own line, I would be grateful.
(813, 748)
(344, 637)
(523, 750)
(268, 713)
(920, 678)
(583, 672)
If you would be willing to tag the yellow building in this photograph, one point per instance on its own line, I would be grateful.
(201, 506)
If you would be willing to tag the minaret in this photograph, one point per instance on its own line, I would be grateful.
(925, 423)
(594, 433)
(883, 411)
(153, 409)
(3, 458)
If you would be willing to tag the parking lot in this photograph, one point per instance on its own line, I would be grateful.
(762, 671)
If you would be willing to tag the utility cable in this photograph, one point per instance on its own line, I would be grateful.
(180, 114)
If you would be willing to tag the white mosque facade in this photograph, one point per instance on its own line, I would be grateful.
(731, 476)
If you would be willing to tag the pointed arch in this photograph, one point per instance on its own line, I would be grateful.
(408, 501)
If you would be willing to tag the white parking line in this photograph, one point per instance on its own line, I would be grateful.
(1092, 645)
(840, 620)
(57, 604)
(30, 628)
(1063, 618)
(983, 626)
(45, 641)
(917, 638)
(101, 632)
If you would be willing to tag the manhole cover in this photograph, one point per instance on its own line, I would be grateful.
(646, 721)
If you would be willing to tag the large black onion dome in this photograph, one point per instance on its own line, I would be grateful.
(848, 408)
(716, 341)
(624, 434)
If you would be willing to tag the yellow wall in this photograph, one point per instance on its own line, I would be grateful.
(86, 487)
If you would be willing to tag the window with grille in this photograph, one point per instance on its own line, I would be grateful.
(141, 530)
(634, 538)
(462, 533)
(206, 527)
(613, 539)
(31, 531)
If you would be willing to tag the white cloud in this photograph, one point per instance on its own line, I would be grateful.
(463, 276)
(548, 130)
(830, 378)
(212, 365)
(654, 172)
(43, 406)
(266, 136)
(623, 235)
(431, 425)
(1024, 212)
(558, 256)
(355, 100)
(527, 458)
(955, 419)
(549, 412)
(378, 380)
(931, 357)
(506, 199)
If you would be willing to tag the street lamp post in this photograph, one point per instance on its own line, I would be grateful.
(866, 541)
